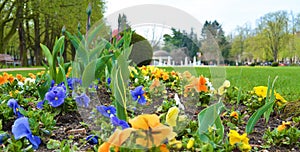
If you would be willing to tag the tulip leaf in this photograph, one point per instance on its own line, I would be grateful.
(256, 115)
(88, 75)
(208, 117)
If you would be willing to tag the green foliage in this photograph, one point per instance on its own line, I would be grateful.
(91, 54)
(275, 64)
(264, 110)
(209, 117)
(56, 59)
(180, 39)
(119, 80)
(288, 137)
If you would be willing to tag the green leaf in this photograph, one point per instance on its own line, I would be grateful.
(48, 54)
(93, 33)
(88, 75)
(270, 98)
(57, 46)
(207, 117)
(82, 54)
(220, 127)
(256, 115)
(44, 86)
(100, 65)
(95, 52)
(74, 40)
(61, 76)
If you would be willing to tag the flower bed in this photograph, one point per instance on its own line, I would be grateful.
(167, 111)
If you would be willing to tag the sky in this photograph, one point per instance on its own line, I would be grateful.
(229, 13)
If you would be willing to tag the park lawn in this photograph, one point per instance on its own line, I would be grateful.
(287, 84)
(23, 72)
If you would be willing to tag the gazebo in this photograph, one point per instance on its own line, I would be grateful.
(161, 57)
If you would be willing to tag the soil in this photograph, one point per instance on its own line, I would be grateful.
(68, 124)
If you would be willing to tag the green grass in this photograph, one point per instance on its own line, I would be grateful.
(23, 72)
(287, 84)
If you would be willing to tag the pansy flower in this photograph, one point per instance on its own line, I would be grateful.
(15, 106)
(107, 111)
(21, 129)
(82, 100)
(119, 123)
(40, 104)
(92, 139)
(56, 96)
(151, 131)
(138, 95)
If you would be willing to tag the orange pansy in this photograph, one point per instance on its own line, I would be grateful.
(201, 86)
(145, 121)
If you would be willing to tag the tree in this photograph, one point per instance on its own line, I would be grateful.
(274, 27)
(182, 39)
(238, 45)
(9, 21)
(214, 42)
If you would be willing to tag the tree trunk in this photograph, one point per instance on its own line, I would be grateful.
(37, 40)
(22, 37)
(22, 45)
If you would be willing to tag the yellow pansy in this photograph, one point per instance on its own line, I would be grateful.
(261, 91)
(283, 125)
(172, 115)
(235, 137)
(226, 84)
(190, 144)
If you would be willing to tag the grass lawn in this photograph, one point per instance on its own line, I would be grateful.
(287, 84)
(23, 72)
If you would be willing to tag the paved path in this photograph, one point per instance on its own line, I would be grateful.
(20, 69)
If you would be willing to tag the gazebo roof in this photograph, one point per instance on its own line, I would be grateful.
(160, 53)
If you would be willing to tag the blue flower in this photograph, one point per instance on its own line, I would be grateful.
(40, 105)
(107, 111)
(15, 106)
(138, 95)
(21, 129)
(92, 139)
(72, 81)
(82, 100)
(3, 137)
(108, 81)
(56, 96)
(119, 123)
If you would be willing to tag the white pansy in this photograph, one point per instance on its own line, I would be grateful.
(226, 84)
(146, 77)
(29, 81)
(180, 105)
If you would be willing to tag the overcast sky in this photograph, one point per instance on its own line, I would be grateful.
(230, 13)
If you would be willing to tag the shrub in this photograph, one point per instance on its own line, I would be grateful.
(274, 64)
(142, 51)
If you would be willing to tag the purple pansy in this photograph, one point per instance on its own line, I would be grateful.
(92, 139)
(56, 96)
(138, 95)
(119, 123)
(107, 111)
(15, 106)
(21, 129)
(82, 100)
